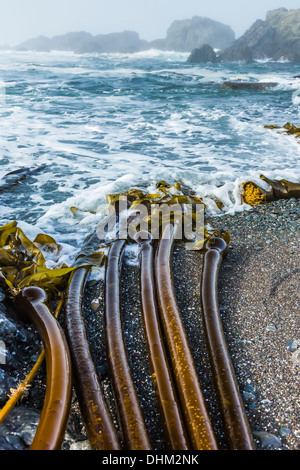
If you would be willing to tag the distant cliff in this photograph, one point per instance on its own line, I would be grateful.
(277, 37)
(182, 36)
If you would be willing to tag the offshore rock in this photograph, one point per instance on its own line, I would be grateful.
(186, 35)
(204, 54)
(277, 37)
(83, 42)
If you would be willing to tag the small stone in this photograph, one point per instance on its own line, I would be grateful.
(292, 346)
(268, 242)
(95, 305)
(271, 328)
(249, 397)
(283, 431)
(249, 388)
(267, 440)
(223, 309)
(258, 248)
(80, 445)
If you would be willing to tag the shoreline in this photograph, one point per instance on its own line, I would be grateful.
(259, 304)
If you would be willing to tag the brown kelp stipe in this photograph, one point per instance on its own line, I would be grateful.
(197, 421)
(169, 407)
(30, 304)
(253, 194)
(132, 421)
(100, 428)
(237, 426)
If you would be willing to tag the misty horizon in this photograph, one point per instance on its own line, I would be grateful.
(23, 20)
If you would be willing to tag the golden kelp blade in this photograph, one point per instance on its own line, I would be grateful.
(253, 194)
(23, 264)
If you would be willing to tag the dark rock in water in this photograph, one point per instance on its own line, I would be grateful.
(247, 86)
(235, 54)
(296, 76)
(267, 440)
(204, 54)
(275, 38)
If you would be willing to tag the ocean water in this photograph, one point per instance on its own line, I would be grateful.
(90, 125)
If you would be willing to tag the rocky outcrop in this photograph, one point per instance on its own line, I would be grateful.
(186, 35)
(82, 42)
(204, 54)
(236, 53)
(277, 37)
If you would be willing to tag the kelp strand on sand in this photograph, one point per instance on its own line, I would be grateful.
(195, 415)
(236, 422)
(99, 424)
(131, 416)
(253, 194)
(175, 433)
(18, 393)
(30, 305)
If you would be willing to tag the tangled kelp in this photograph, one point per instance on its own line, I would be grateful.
(23, 264)
(288, 129)
(253, 194)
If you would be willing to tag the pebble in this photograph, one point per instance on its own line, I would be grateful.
(271, 328)
(80, 445)
(267, 440)
(284, 431)
(95, 305)
(249, 397)
(249, 388)
(292, 346)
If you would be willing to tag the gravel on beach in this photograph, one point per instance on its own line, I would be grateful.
(260, 307)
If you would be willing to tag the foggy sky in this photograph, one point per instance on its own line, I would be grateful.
(24, 19)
